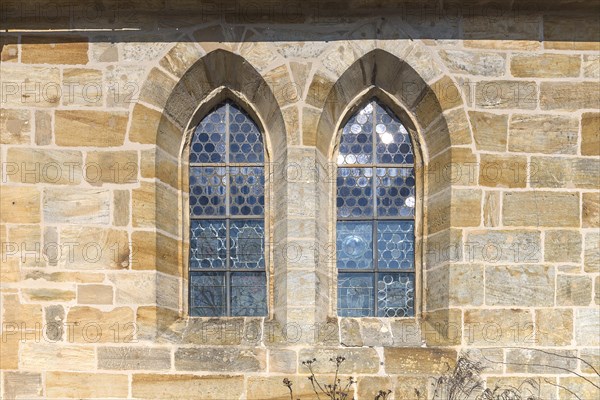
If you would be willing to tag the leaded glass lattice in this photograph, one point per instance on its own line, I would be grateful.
(227, 208)
(375, 232)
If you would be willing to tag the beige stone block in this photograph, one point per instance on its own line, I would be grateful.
(465, 286)
(527, 386)
(503, 171)
(15, 126)
(498, 327)
(310, 120)
(152, 321)
(412, 361)
(410, 388)
(180, 58)
(27, 165)
(30, 86)
(406, 333)
(148, 163)
(73, 277)
(537, 208)
(375, 332)
(534, 361)
(137, 358)
(121, 209)
(215, 387)
(54, 49)
(86, 385)
(503, 246)
(221, 359)
(575, 388)
(569, 96)
(9, 49)
(590, 134)
(54, 356)
(90, 128)
(504, 94)
(560, 172)
(474, 63)
(319, 89)
(350, 332)
(9, 349)
(45, 294)
(562, 246)
(120, 167)
(157, 88)
(82, 87)
(369, 386)
(123, 84)
(136, 288)
(94, 294)
(361, 360)
(573, 290)
(291, 117)
(443, 96)
(442, 327)
(548, 134)
(9, 269)
(77, 206)
(143, 250)
(22, 384)
(597, 291)
(20, 204)
(280, 82)
(28, 317)
(94, 248)
(590, 360)
(43, 127)
(456, 166)
(104, 51)
(576, 33)
(531, 285)
(546, 65)
(283, 361)
(591, 66)
(458, 126)
(591, 252)
(96, 326)
(554, 327)
(144, 124)
(491, 209)
(587, 326)
(489, 130)
(143, 205)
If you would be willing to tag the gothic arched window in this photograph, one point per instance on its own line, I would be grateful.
(375, 216)
(227, 219)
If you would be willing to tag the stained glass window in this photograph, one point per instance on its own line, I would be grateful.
(227, 207)
(375, 216)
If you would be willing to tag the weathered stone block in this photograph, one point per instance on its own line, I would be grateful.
(121, 209)
(491, 209)
(563, 172)
(569, 96)
(22, 384)
(283, 361)
(94, 294)
(54, 49)
(43, 127)
(120, 167)
(489, 130)
(61, 167)
(587, 326)
(143, 205)
(531, 285)
(554, 327)
(498, 327)
(30, 86)
(55, 318)
(537, 208)
(221, 359)
(77, 206)
(20, 204)
(591, 66)
(573, 290)
(591, 252)
(138, 358)
(15, 126)
(503, 94)
(135, 288)
(92, 128)
(411, 361)
(545, 65)
(45, 294)
(82, 87)
(503, 171)
(358, 360)
(548, 134)
(540, 362)
(96, 326)
(86, 385)
(474, 63)
(590, 134)
(94, 248)
(575, 388)
(52, 356)
(212, 387)
(503, 246)
(562, 246)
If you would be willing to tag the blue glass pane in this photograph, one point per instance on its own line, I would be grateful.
(354, 192)
(208, 141)
(395, 244)
(356, 143)
(395, 295)
(355, 294)
(247, 191)
(207, 244)
(393, 141)
(248, 294)
(245, 140)
(207, 191)
(247, 241)
(395, 192)
(207, 294)
(354, 245)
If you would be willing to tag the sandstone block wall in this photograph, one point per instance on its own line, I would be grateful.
(505, 112)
